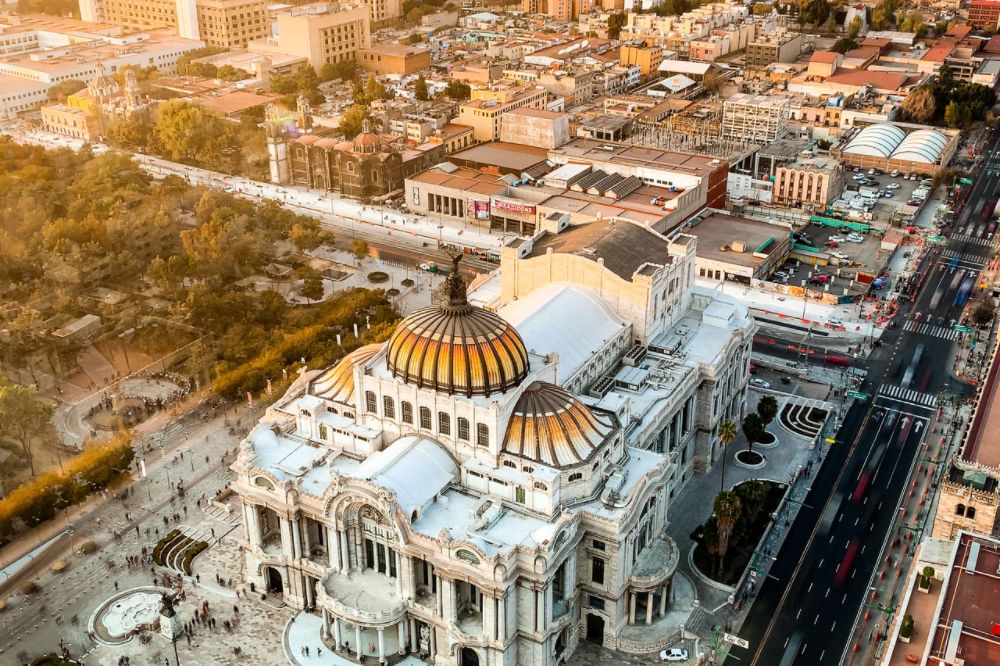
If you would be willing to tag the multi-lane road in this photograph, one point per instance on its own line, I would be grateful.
(806, 609)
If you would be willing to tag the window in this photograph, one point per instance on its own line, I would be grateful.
(595, 602)
(425, 418)
(370, 404)
(482, 435)
(388, 407)
(510, 463)
(324, 432)
(519, 495)
(463, 428)
(540, 486)
(407, 412)
(576, 476)
(598, 544)
(597, 570)
(970, 512)
(444, 423)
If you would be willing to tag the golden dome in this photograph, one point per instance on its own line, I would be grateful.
(337, 382)
(552, 427)
(457, 348)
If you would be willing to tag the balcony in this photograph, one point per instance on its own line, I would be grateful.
(362, 597)
(656, 563)
(270, 545)
(470, 623)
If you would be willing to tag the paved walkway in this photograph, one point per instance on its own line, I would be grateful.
(694, 505)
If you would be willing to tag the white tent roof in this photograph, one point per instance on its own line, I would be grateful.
(415, 468)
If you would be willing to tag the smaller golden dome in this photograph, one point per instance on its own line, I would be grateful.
(553, 427)
(336, 383)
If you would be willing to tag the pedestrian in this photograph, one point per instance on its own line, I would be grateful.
(116, 586)
(307, 650)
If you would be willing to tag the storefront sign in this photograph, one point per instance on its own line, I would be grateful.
(511, 207)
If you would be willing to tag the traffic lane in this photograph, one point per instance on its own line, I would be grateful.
(816, 605)
(794, 350)
(824, 616)
(788, 556)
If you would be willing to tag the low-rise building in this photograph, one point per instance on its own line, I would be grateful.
(985, 14)
(398, 59)
(485, 111)
(535, 127)
(757, 119)
(324, 32)
(737, 249)
(776, 46)
(648, 58)
(808, 181)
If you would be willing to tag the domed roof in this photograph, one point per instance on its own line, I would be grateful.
(337, 382)
(344, 146)
(366, 139)
(553, 427)
(457, 348)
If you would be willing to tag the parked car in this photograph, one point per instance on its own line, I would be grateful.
(837, 239)
(674, 654)
(913, 202)
(781, 275)
(892, 186)
(887, 195)
(856, 169)
(760, 383)
(839, 255)
(855, 238)
(895, 172)
(832, 243)
(871, 172)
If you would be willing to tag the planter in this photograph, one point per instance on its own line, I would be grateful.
(378, 277)
(770, 441)
(750, 459)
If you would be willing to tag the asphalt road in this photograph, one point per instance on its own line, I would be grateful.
(806, 608)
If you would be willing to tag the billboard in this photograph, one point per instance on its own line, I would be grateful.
(479, 210)
(514, 207)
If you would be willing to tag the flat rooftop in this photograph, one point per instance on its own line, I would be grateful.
(624, 247)
(718, 230)
(638, 156)
(510, 156)
(982, 444)
(467, 180)
(395, 50)
(968, 610)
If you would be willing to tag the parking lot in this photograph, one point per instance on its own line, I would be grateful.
(897, 203)
(866, 257)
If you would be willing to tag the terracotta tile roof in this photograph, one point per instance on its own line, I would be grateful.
(861, 77)
(828, 57)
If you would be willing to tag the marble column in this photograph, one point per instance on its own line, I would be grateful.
(296, 539)
(337, 638)
(414, 636)
(306, 544)
(333, 548)
(663, 601)
(325, 629)
(631, 608)
(357, 641)
(286, 537)
(401, 635)
(381, 644)
(345, 555)
(649, 607)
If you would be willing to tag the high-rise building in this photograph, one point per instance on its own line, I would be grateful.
(222, 23)
(383, 11)
(325, 32)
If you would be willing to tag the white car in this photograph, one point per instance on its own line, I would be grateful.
(837, 239)
(855, 238)
(781, 275)
(839, 255)
(759, 383)
(674, 654)
(895, 172)
(888, 195)
(892, 186)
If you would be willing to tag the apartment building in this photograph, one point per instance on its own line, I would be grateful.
(325, 32)
(648, 58)
(984, 14)
(221, 23)
(815, 181)
(483, 113)
(755, 118)
(384, 11)
(778, 46)
(395, 59)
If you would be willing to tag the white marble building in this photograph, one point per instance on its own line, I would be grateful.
(492, 485)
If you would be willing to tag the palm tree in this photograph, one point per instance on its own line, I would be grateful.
(767, 409)
(727, 511)
(727, 433)
(753, 494)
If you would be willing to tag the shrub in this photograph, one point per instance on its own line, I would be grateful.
(88, 547)
(378, 277)
(38, 500)
(191, 553)
(406, 282)
(30, 587)
(158, 548)
(906, 629)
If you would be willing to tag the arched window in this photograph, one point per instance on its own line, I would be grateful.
(540, 486)
(324, 432)
(463, 428)
(970, 512)
(407, 412)
(960, 510)
(528, 469)
(388, 407)
(510, 463)
(575, 476)
(425, 418)
(444, 424)
(482, 434)
(370, 404)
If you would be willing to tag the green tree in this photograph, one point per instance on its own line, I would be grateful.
(767, 409)
(23, 416)
(854, 29)
(727, 434)
(420, 89)
(844, 44)
(727, 510)
(136, 131)
(753, 429)
(984, 312)
(920, 106)
(752, 494)
(187, 131)
(458, 91)
(351, 121)
(360, 249)
(345, 70)
(616, 21)
(312, 288)
(955, 116)
(60, 91)
(414, 38)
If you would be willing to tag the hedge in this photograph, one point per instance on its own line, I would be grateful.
(191, 553)
(158, 548)
(38, 500)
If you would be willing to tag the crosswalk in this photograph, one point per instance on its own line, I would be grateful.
(966, 257)
(942, 332)
(907, 395)
(973, 240)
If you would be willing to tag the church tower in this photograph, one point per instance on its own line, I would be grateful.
(277, 146)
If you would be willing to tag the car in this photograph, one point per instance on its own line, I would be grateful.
(887, 195)
(674, 654)
(760, 383)
(913, 202)
(895, 172)
(832, 243)
(837, 239)
(856, 169)
(781, 275)
(855, 238)
(839, 255)
(892, 186)
(871, 172)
